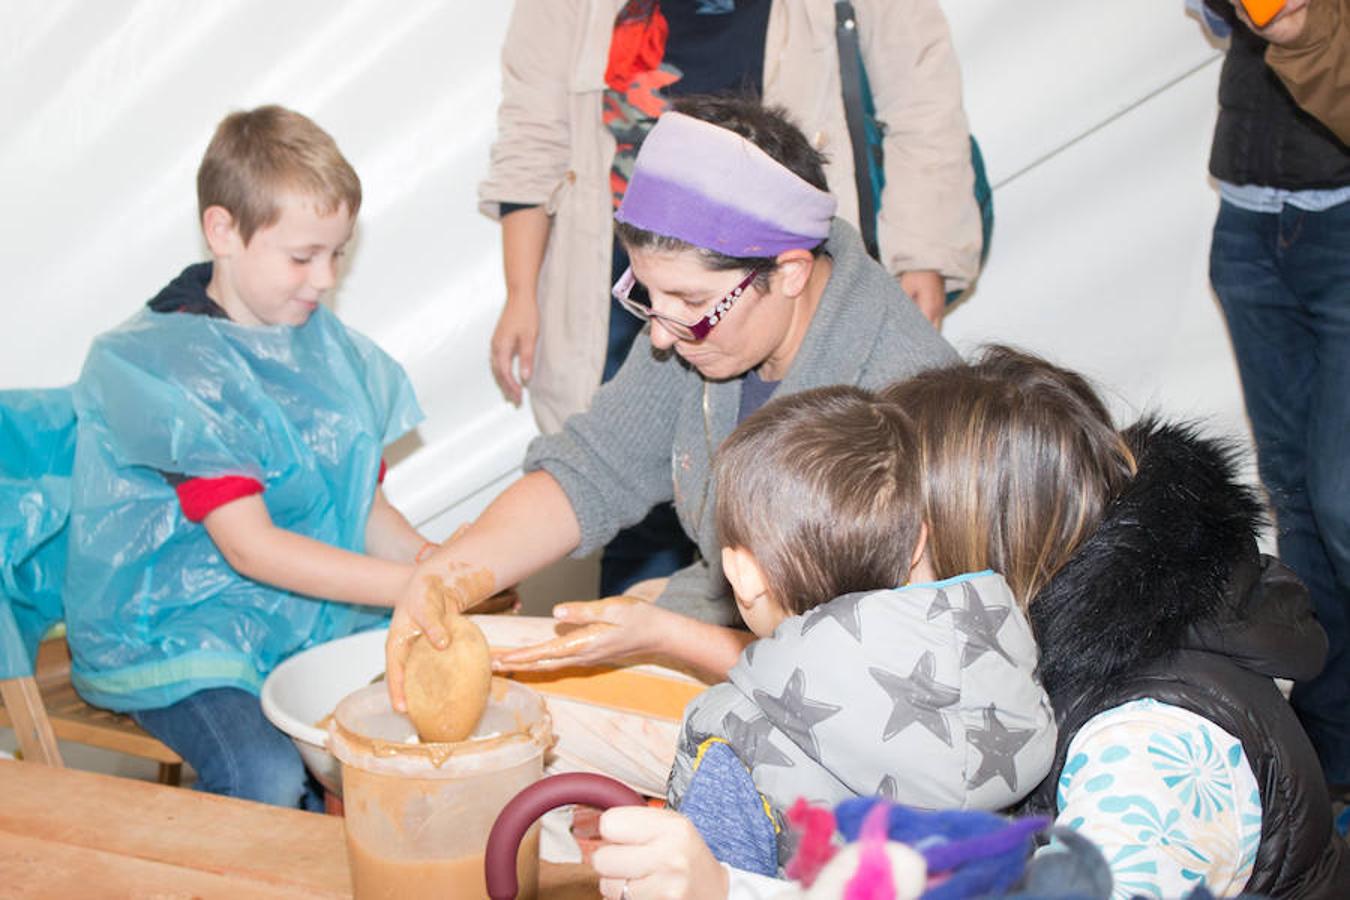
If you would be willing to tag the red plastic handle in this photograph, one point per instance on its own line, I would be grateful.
(499, 860)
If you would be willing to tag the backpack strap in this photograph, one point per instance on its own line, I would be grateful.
(850, 75)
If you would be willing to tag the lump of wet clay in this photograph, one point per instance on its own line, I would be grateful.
(447, 690)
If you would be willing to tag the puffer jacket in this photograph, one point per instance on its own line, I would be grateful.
(1170, 600)
(926, 695)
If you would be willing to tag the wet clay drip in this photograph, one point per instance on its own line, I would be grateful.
(447, 690)
(437, 752)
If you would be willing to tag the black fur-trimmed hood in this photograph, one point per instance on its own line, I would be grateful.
(1173, 565)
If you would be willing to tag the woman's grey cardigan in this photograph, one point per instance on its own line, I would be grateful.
(650, 433)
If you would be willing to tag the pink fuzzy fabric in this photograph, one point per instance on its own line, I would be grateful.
(815, 824)
(873, 879)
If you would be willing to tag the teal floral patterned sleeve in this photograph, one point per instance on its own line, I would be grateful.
(1167, 795)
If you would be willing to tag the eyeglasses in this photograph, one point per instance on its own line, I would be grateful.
(629, 292)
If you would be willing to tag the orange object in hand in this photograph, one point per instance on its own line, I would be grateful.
(1262, 11)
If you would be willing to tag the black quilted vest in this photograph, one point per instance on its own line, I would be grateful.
(1262, 137)
(1170, 599)
(1300, 854)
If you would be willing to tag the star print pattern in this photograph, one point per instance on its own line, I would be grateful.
(998, 748)
(690, 737)
(844, 610)
(941, 604)
(795, 713)
(926, 695)
(751, 741)
(980, 625)
(917, 699)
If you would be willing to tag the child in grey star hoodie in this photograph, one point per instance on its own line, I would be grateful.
(868, 678)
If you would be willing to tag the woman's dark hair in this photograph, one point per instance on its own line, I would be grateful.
(821, 487)
(767, 127)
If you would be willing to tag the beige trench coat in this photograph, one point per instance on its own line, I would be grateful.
(552, 148)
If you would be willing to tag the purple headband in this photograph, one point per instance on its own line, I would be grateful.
(714, 189)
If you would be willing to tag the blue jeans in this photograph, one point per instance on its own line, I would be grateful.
(223, 734)
(1284, 283)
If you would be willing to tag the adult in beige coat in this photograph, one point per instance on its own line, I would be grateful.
(554, 153)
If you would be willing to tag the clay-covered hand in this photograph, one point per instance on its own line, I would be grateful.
(924, 287)
(430, 596)
(507, 601)
(655, 853)
(608, 629)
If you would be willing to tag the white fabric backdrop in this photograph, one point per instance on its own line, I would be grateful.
(1094, 117)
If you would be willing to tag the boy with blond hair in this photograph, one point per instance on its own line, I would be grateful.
(226, 505)
(869, 676)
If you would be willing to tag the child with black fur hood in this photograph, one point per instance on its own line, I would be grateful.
(1161, 628)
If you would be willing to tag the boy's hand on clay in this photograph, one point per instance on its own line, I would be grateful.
(608, 629)
(655, 853)
(421, 612)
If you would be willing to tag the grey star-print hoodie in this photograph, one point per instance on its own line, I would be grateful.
(926, 695)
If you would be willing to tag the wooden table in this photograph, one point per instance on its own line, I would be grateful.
(66, 833)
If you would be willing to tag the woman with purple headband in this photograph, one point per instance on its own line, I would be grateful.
(751, 288)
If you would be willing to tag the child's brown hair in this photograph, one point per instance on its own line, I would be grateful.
(257, 155)
(822, 488)
(1019, 460)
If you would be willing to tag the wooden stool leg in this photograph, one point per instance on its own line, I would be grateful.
(29, 717)
(171, 774)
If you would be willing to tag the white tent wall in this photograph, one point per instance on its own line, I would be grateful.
(1094, 118)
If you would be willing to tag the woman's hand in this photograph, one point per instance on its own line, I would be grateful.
(524, 240)
(609, 629)
(431, 595)
(655, 853)
(512, 349)
(924, 287)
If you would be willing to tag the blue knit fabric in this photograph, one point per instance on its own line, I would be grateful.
(729, 813)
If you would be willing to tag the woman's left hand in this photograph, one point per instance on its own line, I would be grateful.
(655, 853)
(609, 629)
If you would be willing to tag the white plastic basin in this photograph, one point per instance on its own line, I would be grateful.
(635, 747)
(305, 689)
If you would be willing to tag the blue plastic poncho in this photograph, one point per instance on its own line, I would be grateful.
(37, 448)
(154, 611)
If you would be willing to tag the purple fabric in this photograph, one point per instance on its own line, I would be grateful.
(714, 189)
(945, 856)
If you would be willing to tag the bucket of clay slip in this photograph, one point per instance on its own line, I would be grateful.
(418, 815)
